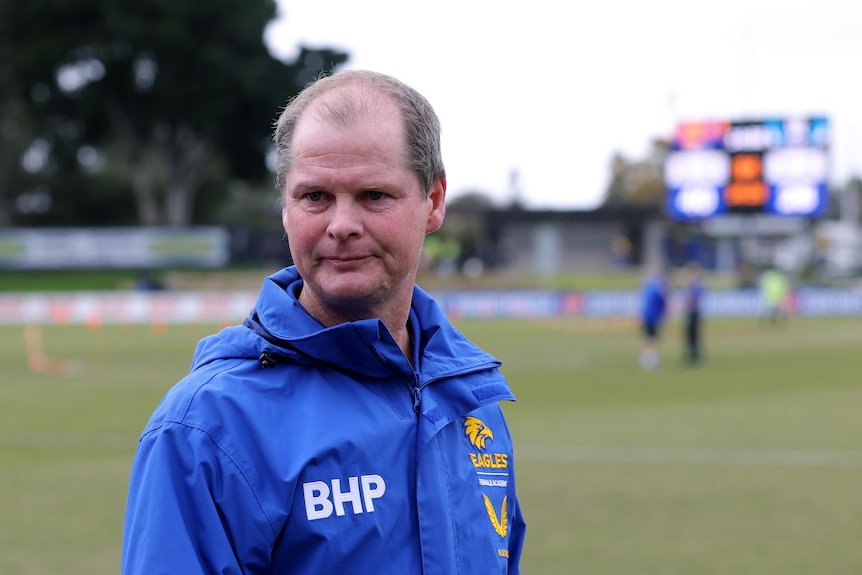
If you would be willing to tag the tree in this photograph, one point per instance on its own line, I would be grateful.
(153, 101)
(15, 135)
(638, 182)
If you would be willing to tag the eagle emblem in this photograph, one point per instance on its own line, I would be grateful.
(501, 526)
(477, 432)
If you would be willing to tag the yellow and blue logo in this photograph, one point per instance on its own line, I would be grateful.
(477, 432)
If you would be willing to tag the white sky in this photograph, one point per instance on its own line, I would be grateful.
(551, 89)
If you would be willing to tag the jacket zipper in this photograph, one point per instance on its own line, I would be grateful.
(417, 398)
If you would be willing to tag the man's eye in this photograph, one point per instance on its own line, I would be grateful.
(314, 196)
(375, 195)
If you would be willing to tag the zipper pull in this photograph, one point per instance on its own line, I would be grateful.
(267, 359)
(417, 398)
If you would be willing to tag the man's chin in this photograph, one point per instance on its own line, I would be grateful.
(352, 289)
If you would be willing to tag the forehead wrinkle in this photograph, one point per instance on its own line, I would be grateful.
(321, 174)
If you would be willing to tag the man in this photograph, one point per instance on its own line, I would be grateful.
(654, 294)
(347, 426)
(694, 290)
(774, 290)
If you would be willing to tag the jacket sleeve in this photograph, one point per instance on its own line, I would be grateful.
(190, 510)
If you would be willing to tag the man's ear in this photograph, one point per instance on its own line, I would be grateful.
(437, 199)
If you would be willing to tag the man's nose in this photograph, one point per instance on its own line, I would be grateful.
(345, 219)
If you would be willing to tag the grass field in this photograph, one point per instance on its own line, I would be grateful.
(748, 464)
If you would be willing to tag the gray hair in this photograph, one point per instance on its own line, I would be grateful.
(345, 96)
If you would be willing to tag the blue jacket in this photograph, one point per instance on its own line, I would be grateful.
(291, 448)
(654, 300)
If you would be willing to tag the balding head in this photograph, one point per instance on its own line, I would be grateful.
(344, 97)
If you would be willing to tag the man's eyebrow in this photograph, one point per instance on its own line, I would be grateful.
(314, 185)
(305, 186)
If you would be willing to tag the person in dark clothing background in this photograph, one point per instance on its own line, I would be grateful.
(694, 290)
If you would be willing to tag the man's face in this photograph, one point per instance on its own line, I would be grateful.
(355, 215)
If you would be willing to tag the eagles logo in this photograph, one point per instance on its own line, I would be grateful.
(477, 432)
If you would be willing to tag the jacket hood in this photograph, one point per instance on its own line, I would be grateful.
(280, 326)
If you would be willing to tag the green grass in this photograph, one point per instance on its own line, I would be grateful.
(62, 280)
(748, 464)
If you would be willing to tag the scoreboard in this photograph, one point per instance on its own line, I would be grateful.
(776, 166)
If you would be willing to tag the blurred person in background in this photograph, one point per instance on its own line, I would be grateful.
(694, 289)
(346, 426)
(774, 288)
(654, 295)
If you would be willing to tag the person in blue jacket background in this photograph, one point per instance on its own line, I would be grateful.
(654, 295)
(347, 426)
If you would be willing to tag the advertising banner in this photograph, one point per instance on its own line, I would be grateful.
(127, 248)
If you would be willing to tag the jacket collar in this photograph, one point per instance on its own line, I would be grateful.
(363, 347)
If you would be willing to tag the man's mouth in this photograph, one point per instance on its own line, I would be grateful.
(346, 260)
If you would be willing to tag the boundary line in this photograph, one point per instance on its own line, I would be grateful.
(642, 455)
(690, 456)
